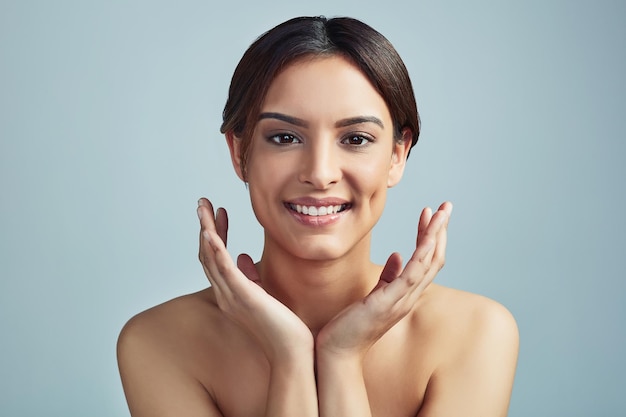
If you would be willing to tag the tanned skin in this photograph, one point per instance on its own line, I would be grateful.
(315, 328)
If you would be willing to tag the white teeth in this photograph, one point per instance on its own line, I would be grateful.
(317, 211)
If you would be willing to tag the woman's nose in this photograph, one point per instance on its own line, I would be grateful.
(320, 165)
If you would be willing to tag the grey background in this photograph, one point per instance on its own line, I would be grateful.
(109, 117)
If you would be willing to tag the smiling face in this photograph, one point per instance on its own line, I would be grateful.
(321, 159)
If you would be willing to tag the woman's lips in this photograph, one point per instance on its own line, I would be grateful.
(319, 214)
(313, 210)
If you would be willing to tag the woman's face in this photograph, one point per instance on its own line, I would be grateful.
(321, 159)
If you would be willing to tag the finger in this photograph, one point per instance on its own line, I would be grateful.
(235, 286)
(392, 268)
(424, 265)
(204, 202)
(413, 274)
(424, 220)
(246, 265)
(439, 255)
(206, 256)
(447, 207)
(206, 253)
(221, 222)
(217, 261)
(207, 221)
(403, 289)
(428, 217)
(219, 267)
(430, 225)
(206, 214)
(417, 268)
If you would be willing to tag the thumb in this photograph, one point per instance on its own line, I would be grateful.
(221, 223)
(393, 268)
(246, 265)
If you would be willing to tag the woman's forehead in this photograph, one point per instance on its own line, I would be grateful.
(329, 87)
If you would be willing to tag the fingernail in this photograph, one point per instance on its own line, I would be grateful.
(199, 213)
(206, 235)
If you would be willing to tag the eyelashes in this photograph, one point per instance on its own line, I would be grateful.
(283, 139)
(357, 140)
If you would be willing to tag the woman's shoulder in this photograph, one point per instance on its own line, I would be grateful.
(173, 330)
(470, 344)
(175, 315)
(178, 355)
(452, 304)
(462, 319)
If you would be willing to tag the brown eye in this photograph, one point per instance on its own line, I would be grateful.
(283, 139)
(356, 140)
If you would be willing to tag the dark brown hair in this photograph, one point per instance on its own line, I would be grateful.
(304, 37)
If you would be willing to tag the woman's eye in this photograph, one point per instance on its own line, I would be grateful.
(284, 139)
(356, 140)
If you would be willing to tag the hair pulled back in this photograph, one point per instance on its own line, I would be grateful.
(305, 37)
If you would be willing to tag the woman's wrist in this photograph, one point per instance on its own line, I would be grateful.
(329, 352)
(292, 387)
(341, 383)
(295, 352)
(342, 360)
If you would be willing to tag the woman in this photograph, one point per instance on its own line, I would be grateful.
(319, 121)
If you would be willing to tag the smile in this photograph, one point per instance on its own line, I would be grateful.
(317, 211)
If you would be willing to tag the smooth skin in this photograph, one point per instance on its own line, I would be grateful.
(315, 328)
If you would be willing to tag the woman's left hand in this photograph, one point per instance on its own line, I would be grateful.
(353, 331)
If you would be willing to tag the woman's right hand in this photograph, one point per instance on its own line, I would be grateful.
(280, 332)
(355, 329)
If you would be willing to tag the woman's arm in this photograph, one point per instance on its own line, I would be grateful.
(285, 340)
(341, 387)
(342, 344)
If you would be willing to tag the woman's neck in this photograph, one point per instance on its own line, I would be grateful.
(317, 290)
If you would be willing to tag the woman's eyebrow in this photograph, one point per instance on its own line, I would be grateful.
(358, 120)
(285, 118)
(340, 123)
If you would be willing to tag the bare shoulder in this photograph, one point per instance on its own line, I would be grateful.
(463, 315)
(170, 311)
(159, 353)
(171, 323)
(476, 340)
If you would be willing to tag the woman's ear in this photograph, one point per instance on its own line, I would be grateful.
(400, 153)
(234, 146)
